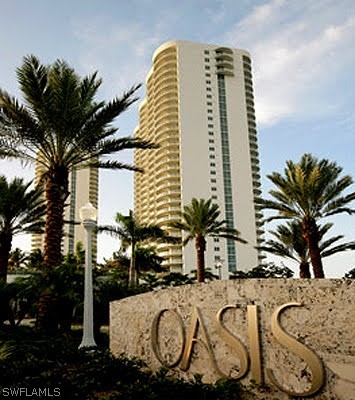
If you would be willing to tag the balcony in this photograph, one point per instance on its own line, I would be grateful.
(247, 74)
(254, 153)
(168, 67)
(163, 184)
(162, 95)
(248, 81)
(221, 57)
(170, 100)
(166, 72)
(168, 178)
(224, 71)
(166, 56)
(166, 219)
(166, 89)
(167, 122)
(167, 193)
(246, 60)
(249, 88)
(253, 145)
(257, 192)
(169, 202)
(170, 114)
(249, 95)
(223, 50)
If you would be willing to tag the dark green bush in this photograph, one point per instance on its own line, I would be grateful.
(39, 362)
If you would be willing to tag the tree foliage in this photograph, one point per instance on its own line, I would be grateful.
(290, 243)
(199, 220)
(21, 211)
(132, 232)
(61, 126)
(264, 271)
(308, 191)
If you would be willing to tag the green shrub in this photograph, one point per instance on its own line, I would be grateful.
(39, 362)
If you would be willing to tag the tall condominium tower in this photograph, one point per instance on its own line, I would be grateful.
(199, 109)
(83, 187)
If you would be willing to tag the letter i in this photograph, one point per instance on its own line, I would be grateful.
(254, 343)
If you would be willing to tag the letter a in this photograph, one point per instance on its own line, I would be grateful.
(196, 321)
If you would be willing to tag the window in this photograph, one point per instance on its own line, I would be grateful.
(211, 148)
(213, 172)
(210, 118)
(207, 67)
(216, 249)
(216, 240)
(208, 89)
(209, 103)
(209, 111)
(217, 258)
(213, 180)
(207, 59)
(207, 74)
(210, 133)
(214, 197)
(208, 82)
(214, 189)
(210, 125)
(210, 141)
(212, 164)
(206, 52)
(209, 96)
(212, 156)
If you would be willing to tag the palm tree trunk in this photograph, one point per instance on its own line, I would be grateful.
(200, 249)
(56, 193)
(5, 248)
(132, 278)
(47, 313)
(311, 235)
(304, 270)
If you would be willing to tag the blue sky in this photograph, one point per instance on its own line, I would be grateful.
(303, 56)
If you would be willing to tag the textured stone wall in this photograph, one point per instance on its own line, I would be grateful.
(324, 328)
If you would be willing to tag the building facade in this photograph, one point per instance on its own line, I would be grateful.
(199, 109)
(83, 187)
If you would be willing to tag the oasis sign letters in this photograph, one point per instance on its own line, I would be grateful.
(248, 361)
(295, 335)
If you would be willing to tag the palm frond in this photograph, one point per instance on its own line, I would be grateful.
(338, 249)
(113, 165)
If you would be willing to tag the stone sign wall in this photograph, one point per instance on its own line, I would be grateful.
(295, 336)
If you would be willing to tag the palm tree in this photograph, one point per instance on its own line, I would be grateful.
(148, 260)
(307, 192)
(61, 127)
(199, 220)
(21, 211)
(17, 259)
(291, 244)
(132, 232)
(264, 271)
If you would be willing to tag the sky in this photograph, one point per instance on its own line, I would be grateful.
(303, 54)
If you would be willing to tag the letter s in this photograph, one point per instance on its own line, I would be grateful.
(302, 351)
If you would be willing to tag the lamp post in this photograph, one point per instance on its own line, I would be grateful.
(219, 266)
(88, 215)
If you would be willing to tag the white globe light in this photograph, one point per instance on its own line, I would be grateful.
(88, 212)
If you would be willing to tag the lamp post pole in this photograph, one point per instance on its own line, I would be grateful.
(88, 217)
(219, 266)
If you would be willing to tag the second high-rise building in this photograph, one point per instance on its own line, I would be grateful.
(199, 109)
